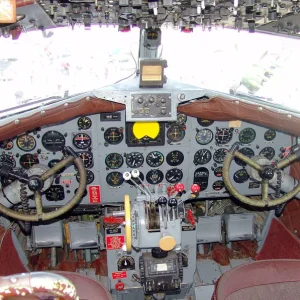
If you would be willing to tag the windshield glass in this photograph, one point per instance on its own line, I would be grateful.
(66, 63)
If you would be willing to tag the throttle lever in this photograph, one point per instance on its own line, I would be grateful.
(6, 170)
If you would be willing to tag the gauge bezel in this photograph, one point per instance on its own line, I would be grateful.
(181, 129)
(34, 156)
(84, 127)
(119, 140)
(90, 177)
(120, 182)
(61, 190)
(174, 170)
(205, 122)
(218, 181)
(241, 138)
(7, 142)
(201, 163)
(229, 138)
(149, 160)
(84, 146)
(240, 182)
(51, 147)
(273, 152)
(273, 133)
(26, 149)
(242, 150)
(219, 150)
(180, 155)
(108, 159)
(88, 153)
(204, 130)
(11, 160)
(131, 155)
(151, 172)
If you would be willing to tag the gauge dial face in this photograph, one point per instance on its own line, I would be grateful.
(219, 155)
(84, 123)
(181, 118)
(126, 263)
(270, 135)
(223, 135)
(28, 160)
(26, 142)
(136, 180)
(174, 175)
(89, 177)
(134, 159)
(267, 152)
(247, 152)
(201, 176)
(87, 158)
(247, 136)
(218, 185)
(82, 140)
(155, 176)
(204, 136)
(53, 162)
(175, 158)
(7, 144)
(114, 179)
(202, 157)
(155, 159)
(114, 160)
(113, 135)
(240, 176)
(204, 122)
(84, 194)
(8, 159)
(53, 141)
(218, 171)
(176, 133)
(55, 193)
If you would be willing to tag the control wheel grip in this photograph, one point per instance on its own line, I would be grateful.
(127, 223)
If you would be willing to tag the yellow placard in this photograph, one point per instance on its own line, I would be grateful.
(235, 123)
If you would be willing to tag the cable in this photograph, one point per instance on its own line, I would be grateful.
(4, 234)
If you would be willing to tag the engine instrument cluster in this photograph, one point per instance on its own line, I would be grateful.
(188, 151)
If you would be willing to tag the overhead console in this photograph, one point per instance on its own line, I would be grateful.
(188, 151)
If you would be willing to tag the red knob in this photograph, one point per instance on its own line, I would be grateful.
(195, 188)
(190, 217)
(119, 286)
(179, 187)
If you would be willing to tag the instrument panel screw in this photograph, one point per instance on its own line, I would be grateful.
(260, 108)
(88, 98)
(17, 122)
(237, 102)
(289, 116)
(66, 105)
(181, 96)
(43, 112)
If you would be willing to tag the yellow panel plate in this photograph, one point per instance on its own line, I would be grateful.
(127, 223)
(142, 129)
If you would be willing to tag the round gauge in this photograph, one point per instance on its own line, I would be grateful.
(87, 158)
(247, 152)
(114, 161)
(202, 157)
(155, 159)
(155, 176)
(134, 159)
(126, 263)
(26, 142)
(174, 175)
(219, 155)
(267, 152)
(53, 162)
(113, 135)
(7, 144)
(8, 159)
(218, 171)
(55, 193)
(247, 136)
(223, 135)
(84, 123)
(204, 122)
(181, 118)
(176, 133)
(28, 160)
(82, 141)
(218, 185)
(53, 141)
(84, 194)
(175, 158)
(240, 176)
(89, 177)
(204, 136)
(114, 179)
(270, 135)
(136, 180)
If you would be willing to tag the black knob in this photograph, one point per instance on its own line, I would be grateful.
(163, 286)
(172, 202)
(267, 172)
(158, 253)
(162, 201)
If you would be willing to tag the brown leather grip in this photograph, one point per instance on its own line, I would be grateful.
(220, 109)
(58, 114)
(20, 3)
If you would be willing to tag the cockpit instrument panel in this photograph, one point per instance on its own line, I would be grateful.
(187, 150)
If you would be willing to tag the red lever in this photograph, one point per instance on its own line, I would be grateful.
(179, 187)
(119, 286)
(113, 220)
(190, 217)
(195, 188)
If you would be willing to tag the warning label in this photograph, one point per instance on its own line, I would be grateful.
(119, 275)
(114, 242)
(94, 194)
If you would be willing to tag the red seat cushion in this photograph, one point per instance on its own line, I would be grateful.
(266, 279)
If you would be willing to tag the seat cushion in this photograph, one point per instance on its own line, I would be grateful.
(266, 279)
